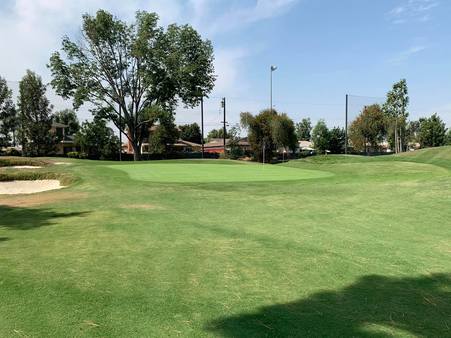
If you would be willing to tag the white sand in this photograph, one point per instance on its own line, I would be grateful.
(25, 167)
(62, 163)
(28, 187)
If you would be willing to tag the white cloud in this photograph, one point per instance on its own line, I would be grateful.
(406, 54)
(412, 10)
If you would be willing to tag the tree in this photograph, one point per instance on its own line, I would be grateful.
(235, 151)
(337, 138)
(69, 118)
(8, 115)
(448, 138)
(304, 129)
(395, 108)
(216, 133)
(321, 136)
(260, 133)
(191, 133)
(35, 116)
(432, 132)
(96, 140)
(413, 130)
(164, 135)
(369, 128)
(124, 70)
(284, 132)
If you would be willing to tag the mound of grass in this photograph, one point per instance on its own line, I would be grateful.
(211, 172)
(18, 161)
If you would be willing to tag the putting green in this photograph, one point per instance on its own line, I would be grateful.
(212, 172)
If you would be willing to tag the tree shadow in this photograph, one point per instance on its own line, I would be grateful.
(30, 218)
(4, 239)
(374, 306)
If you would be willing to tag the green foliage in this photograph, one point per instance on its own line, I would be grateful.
(432, 132)
(337, 139)
(368, 129)
(320, 136)
(395, 109)
(304, 129)
(235, 151)
(8, 115)
(124, 70)
(164, 135)
(284, 132)
(216, 133)
(97, 140)
(267, 131)
(191, 133)
(448, 138)
(69, 118)
(413, 130)
(35, 116)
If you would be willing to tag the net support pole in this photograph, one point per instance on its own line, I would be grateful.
(202, 123)
(346, 124)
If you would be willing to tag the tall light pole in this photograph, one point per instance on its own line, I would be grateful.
(272, 69)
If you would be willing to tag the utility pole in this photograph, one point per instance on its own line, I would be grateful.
(223, 104)
(272, 69)
(120, 133)
(346, 125)
(202, 122)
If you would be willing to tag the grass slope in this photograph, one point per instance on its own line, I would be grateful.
(363, 252)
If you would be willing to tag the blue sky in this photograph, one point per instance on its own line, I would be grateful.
(323, 50)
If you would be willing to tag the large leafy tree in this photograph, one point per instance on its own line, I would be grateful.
(125, 70)
(260, 133)
(69, 118)
(8, 115)
(304, 129)
(432, 132)
(96, 140)
(337, 138)
(284, 132)
(267, 131)
(395, 108)
(368, 129)
(35, 116)
(191, 133)
(321, 136)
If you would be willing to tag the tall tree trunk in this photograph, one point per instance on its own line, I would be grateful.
(136, 152)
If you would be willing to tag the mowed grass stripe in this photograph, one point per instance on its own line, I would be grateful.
(209, 173)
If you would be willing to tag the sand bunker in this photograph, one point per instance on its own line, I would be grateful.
(28, 187)
(25, 167)
(62, 163)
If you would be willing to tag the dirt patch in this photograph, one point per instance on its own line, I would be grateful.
(41, 199)
(143, 206)
(28, 187)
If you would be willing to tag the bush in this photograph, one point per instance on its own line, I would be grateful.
(72, 154)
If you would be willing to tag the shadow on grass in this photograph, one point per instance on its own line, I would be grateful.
(4, 239)
(374, 306)
(29, 218)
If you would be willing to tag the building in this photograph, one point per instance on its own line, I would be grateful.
(65, 142)
(216, 145)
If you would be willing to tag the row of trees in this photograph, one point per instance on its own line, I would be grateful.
(388, 122)
(30, 123)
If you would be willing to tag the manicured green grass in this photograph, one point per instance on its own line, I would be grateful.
(215, 172)
(336, 246)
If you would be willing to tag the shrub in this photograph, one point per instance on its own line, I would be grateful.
(72, 154)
